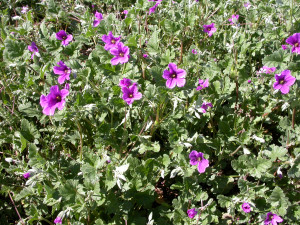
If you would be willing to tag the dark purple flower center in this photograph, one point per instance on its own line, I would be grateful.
(121, 54)
(130, 95)
(66, 70)
(199, 158)
(58, 98)
(173, 75)
(64, 37)
(297, 44)
(209, 29)
(281, 82)
(270, 217)
(113, 41)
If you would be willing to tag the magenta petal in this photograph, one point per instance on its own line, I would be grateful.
(203, 164)
(61, 79)
(181, 73)
(54, 89)
(58, 70)
(64, 93)
(285, 89)
(114, 61)
(61, 104)
(69, 38)
(43, 101)
(171, 83)
(123, 59)
(289, 80)
(166, 74)
(277, 85)
(193, 158)
(138, 96)
(180, 82)
(96, 23)
(172, 67)
(277, 218)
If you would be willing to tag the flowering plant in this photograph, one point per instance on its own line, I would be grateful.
(150, 112)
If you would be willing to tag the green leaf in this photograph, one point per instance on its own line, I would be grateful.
(224, 201)
(254, 166)
(153, 44)
(278, 200)
(155, 147)
(27, 191)
(23, 143)
(278, 58)
(132, 41)
(29, 110)
(276, 153)
(14, 49)
(167, 57)
(28, 131)
(69, 190)
(294, 172)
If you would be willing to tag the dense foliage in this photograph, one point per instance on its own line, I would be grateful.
(201, 131)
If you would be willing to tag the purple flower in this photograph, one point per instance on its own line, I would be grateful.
(192, 213)
(174, 76)
(202, 84)
(125, 12)
(62, 36)
(98, 19)
(273, 219)
(294, 40)
(249, 81)
(27, 175)
(110, 41)
(267, 70)
(279, 173)
(125, 82)
(246, 207)
(247, 5)
(24, 9)
(284, 47)
(209, 29)
(233, 20)
(284, 81)
(194, 51)
(67, 86)
(152, 9)
(145, 55)
(121, 53)
(58, 220)
(55, 99)
(33, 48)
(205, 106)
(131, 93)
(196, 158)
(63, 71)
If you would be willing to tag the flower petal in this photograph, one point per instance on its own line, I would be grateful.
(180, 82)
(203, 164)
(171, 83)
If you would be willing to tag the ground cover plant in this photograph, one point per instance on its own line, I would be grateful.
(149, 112)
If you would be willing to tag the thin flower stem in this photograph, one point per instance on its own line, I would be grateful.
(16, 208)
(43, 219)
(293, 118)
(80, 135)
(236, 150)
(181, 52)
